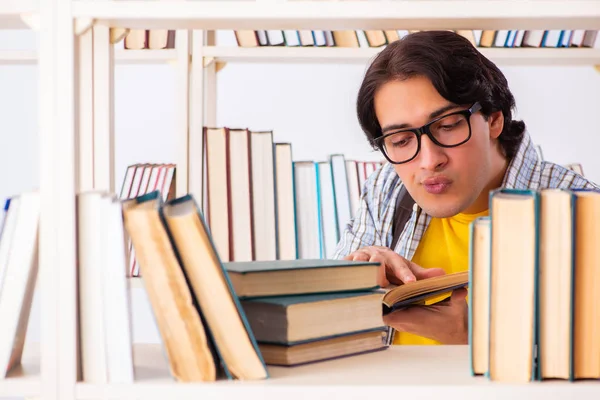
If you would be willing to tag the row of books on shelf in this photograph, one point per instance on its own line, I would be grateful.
(534, 278)
(379, 38)
(137, 39)
(259, 203)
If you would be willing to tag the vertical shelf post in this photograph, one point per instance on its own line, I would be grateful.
(57, 188)
(104, 132)
(84, 110)
(182, 45)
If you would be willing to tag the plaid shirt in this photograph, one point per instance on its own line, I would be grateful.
(372, 225)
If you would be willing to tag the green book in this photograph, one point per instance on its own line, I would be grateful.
(292, 320)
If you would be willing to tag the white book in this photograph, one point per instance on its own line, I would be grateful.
(353, 186)
(286, 214)
(307, 210)
(292, 38)
(19, 281)
(320, 39)
(362, 38)
(501, 37)
(92, 262)
(9, 225)
(342, 193)
(327, 208)
(263, 196)
(116, 305)
(275, 37)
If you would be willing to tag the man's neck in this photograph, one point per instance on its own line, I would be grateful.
(482, 202)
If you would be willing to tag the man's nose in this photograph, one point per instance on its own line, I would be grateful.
(432, 157)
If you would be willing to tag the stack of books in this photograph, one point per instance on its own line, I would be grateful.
(304, 311)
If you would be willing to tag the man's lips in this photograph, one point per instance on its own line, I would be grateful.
(436, 185)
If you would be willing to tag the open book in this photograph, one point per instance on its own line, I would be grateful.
(417, 292)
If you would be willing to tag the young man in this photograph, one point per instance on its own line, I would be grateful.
(441, 114)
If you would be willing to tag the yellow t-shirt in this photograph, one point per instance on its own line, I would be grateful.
(445, 244)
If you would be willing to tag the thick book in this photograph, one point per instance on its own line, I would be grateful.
(347, 345)
(304, 276)
(513, 336)
(296, 319)
(414, 293)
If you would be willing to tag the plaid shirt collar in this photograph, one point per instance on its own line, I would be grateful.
(524, 172)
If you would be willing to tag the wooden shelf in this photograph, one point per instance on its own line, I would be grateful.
(145, 56)
(24, 380)
(424, 372)
(11, 12)
(399, 14)
(23, 57)
(501, 56)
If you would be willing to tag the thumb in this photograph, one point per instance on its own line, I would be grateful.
(459, 294)
(424, 273)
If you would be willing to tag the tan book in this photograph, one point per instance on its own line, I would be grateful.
(513, 285)
(555, 283)
(210, 284)
(479, 294)
(345, 38)
(398, 297)
(376, 38)
(586, 330)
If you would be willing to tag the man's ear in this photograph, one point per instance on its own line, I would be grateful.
(496, 122)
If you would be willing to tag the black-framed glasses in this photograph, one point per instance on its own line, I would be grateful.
(450, 130)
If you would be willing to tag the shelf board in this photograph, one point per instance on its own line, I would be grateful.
(424, 372)
(11, 11)
(25, 379)
(122, 56)
(500, 56)
(145, 56)
(399, 14)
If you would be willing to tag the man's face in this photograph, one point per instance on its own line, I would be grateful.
(443, 181)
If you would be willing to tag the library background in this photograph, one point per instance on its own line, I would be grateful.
(177, 174)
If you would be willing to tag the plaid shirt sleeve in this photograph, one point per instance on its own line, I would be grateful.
(371, 225)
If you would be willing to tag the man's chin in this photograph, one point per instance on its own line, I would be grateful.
(443, 208)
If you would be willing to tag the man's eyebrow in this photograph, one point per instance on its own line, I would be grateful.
(432, 115)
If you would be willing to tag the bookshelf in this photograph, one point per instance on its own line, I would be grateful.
(416, 372)
(427, 14)
(76, 153)
(24, 380)
(14, 14)
(122, 57)
(500, 56)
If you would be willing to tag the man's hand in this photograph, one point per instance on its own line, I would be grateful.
(446, 321)
(394, 268)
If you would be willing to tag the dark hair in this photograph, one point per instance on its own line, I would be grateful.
(458, 71)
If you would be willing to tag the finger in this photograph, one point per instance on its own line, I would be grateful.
(424, 273)
(459, 295)
(400, 269)
(382, 280)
